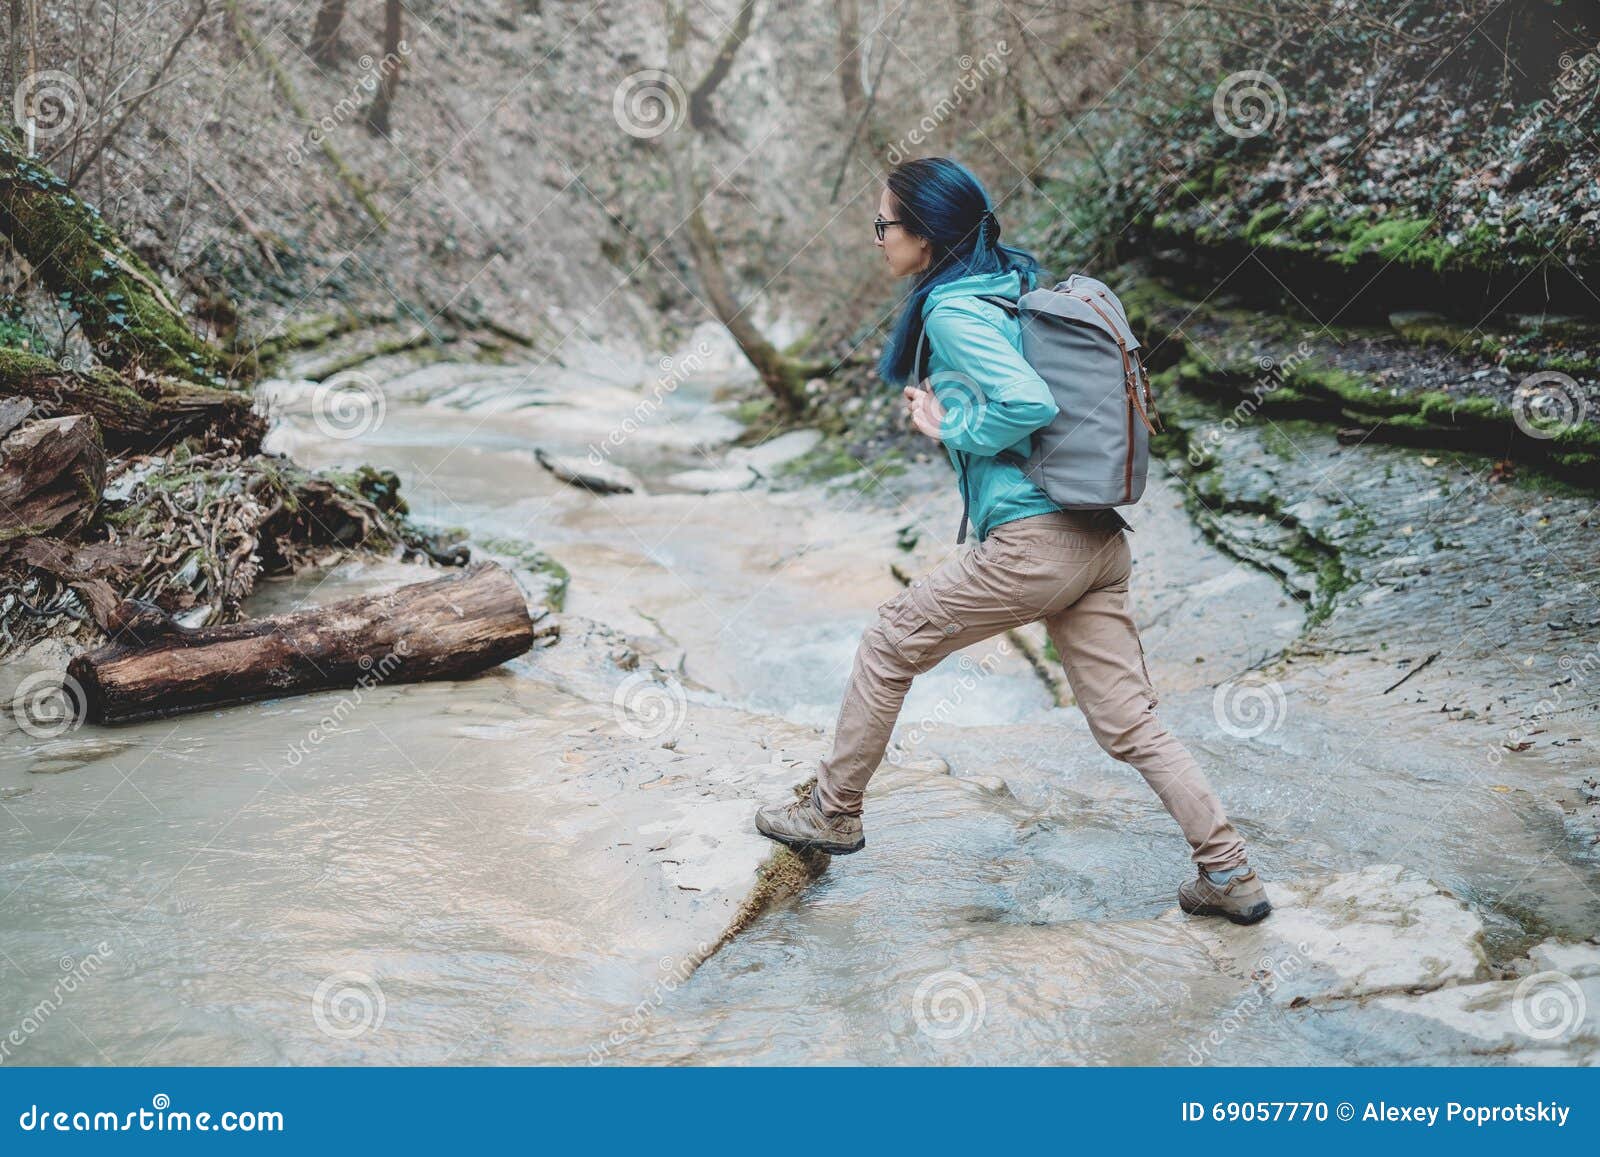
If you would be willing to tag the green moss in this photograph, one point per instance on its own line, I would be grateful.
(1314, 221)
(560, 580)
(308, 334)
(118, 300)
(1264, 222)
(379, 487)
(1388, 240)
(826, 460)
(530, 558)
(1430, 329)
(1278, 444)
(753, 410)
(1217, 369)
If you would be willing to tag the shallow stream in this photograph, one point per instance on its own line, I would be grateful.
(521, 868)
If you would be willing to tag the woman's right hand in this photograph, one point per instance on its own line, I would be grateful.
(927, 415)
(909, 393)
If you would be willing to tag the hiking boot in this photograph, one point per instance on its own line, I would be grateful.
(804, 826)
(1242, 899)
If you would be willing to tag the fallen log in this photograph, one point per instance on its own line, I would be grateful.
(607, 478)
(51, 474)
(444, 629)
(139, 414)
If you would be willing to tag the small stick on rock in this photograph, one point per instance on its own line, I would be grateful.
(1411, 672)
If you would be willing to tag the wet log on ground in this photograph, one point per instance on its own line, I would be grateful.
(51, 472)
(448, 628)
(143, 414)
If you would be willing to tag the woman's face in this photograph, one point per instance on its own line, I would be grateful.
(904, 253)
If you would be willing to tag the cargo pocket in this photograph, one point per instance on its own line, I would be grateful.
(1149, 686)
(919, 622)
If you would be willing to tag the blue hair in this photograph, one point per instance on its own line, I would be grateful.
(941, 200)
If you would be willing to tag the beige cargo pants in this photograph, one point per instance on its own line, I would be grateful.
(1070, 570)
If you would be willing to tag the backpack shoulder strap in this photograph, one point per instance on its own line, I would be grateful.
(1004, 303)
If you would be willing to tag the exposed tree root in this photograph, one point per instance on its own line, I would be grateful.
(785, 873)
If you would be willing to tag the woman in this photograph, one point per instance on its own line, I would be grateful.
(1034, 560)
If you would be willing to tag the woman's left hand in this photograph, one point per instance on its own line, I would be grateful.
(927, 415)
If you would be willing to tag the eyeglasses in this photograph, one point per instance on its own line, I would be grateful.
(880, 226)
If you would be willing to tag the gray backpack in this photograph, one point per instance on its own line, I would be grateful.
(1095, 453)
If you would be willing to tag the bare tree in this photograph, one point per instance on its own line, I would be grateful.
(131, 106)
(858, 103)
(324, 41)
(1141, 28)
(388, 67)
(13, 54)
(782, 378)
(966, 37)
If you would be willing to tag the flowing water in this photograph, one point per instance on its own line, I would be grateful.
(524, 867)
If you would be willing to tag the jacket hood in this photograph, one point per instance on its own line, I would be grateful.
(1008, 285)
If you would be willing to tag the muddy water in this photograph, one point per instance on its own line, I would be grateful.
(522, 867)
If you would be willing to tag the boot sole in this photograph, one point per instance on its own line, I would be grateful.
(801, 845)
(1251, 915)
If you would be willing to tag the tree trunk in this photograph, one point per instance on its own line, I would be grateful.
(51, 472)
(388, 68)
(445, 629)
(13, 56)
(143, 417)
(1025, 133)
(857, 106)
(779, 376)
(1141, 30)
(258, 49)
(125, 311)
(325, 32)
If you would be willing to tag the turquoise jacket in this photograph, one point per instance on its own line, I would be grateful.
(993, 399)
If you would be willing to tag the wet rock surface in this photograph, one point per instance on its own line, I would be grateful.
(532, 866)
